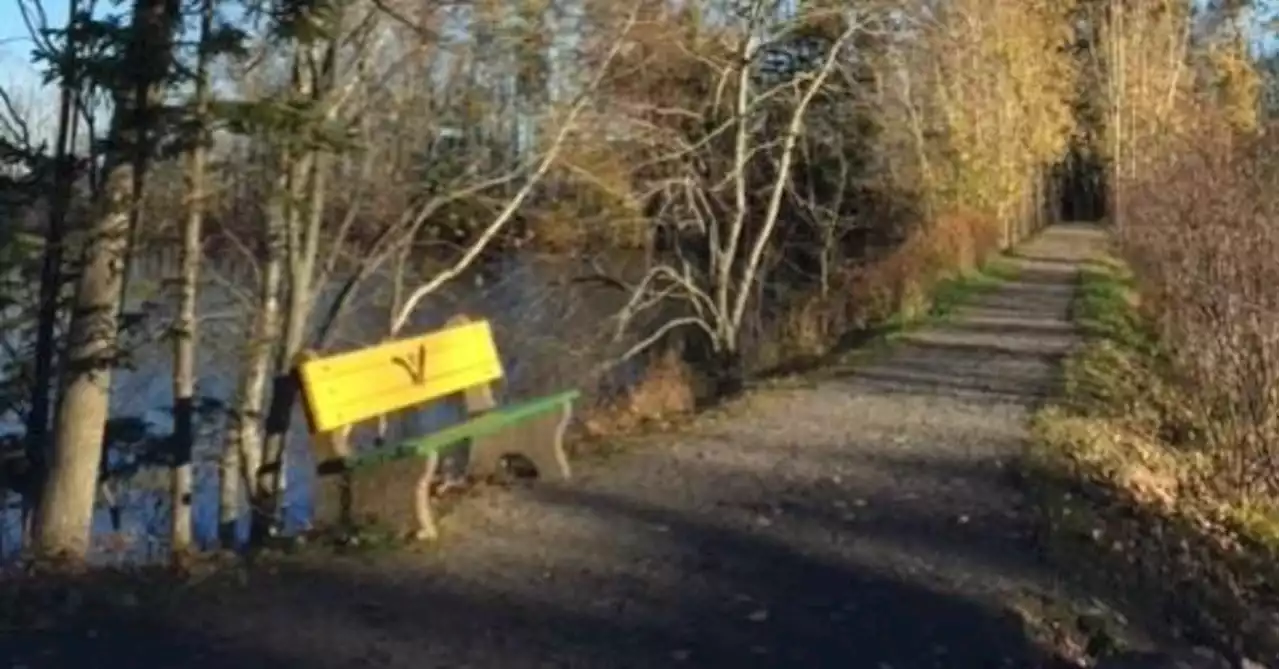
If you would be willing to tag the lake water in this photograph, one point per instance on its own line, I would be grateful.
(549, 332)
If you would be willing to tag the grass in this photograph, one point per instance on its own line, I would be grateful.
(1116, 475)
(953, 293)
(947, 296)
(862, 346)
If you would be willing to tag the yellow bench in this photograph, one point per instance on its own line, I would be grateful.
(457, 364)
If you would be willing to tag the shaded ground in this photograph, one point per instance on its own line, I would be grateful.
(863, 521)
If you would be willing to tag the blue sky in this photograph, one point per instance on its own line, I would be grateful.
(15, 45)
(17, 72)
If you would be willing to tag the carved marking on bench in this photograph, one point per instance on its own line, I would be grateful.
(415, 364)
(355, 386)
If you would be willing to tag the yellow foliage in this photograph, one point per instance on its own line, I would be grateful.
(1004, 87)
(1238, 85)
(596, 203)
(900, 283)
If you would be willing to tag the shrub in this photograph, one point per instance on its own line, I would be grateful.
(1199, 231)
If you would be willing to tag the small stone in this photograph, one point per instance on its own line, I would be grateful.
(758, 616)
(681, 655)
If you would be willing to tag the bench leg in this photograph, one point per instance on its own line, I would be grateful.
(549, 456)
(422, 500)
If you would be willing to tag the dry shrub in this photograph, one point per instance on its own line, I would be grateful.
(806, 328)
(556, 231)
(1122, 517)
(959, 243)
(899, 284)
(1133, 520)
(571, 225)
(986, 235)
(1199, 231)
(666, 388)
(803, 330)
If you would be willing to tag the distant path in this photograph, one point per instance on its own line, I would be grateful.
(863, 521)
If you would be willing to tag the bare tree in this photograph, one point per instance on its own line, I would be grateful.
(185, 325)
(731, 234)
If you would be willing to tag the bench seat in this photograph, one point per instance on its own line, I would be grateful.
(485, 424)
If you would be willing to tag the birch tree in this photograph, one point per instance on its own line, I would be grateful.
(185, 323)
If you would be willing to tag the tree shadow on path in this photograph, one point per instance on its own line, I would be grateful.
(741, 599)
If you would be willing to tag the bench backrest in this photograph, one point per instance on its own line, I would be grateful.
(347, 388)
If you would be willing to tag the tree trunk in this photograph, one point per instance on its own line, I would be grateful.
(184, 326)
(51, 287)
(229, 477)
(728, 375)
(65, 516)
(308, 188)
(306, 191)
(244, 445)
(257, 452)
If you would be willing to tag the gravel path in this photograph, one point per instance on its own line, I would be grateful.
(864, 520)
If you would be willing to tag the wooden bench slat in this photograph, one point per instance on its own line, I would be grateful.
(358, 385)
(479, 426)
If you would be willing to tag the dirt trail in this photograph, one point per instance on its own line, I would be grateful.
(864, 520)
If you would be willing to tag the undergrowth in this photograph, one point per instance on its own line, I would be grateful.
(1123, 480)
(947, 295)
